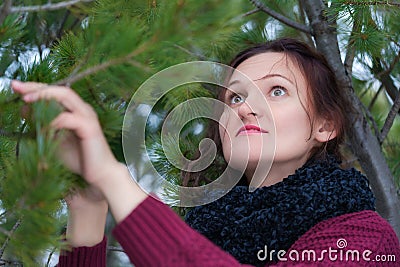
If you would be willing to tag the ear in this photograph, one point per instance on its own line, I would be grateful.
(325, 130)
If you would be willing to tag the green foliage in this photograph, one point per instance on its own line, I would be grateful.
(32, 186)
(12, 29)
(69, 50)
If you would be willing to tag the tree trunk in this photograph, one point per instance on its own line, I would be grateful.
(363, 143)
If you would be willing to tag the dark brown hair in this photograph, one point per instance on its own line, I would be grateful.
(326, 99)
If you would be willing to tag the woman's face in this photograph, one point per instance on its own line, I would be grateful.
(266, 117)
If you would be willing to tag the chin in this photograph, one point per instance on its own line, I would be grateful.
(237, 163)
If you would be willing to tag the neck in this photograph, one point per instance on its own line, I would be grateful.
(277, 172)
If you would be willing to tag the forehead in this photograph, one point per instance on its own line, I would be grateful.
(261, 65)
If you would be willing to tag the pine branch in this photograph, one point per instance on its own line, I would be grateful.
(310, 40)
(9, 234)
(5, 133)
(4, 232)
(116, 61)
(371, 104)
(280, 17)
(390, 68)
(50, 256)
(394, 41)
(15, 135)
(96, 99)
(76, 70)
(201, 57)
(369, 116)
(10, 263)
(384, 75)
(5, 10)
(19, 137)
(251, 12)
(73, 25)
(390, 119)
(248, 13)
(47, 7)
(371, 3)
(384, 78)
(351, 48)
(62, 24)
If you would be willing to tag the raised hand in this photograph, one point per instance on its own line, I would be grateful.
(84, 149)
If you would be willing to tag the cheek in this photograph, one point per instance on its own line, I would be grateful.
(227, 124)
(292, 126)
(225, 140)
(226, 144)
(223, 135)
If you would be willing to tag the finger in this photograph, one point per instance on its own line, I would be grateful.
(78, 124)
(66, 137)
(67, 120)
(63, 95)
(26, 87)
(33, 91)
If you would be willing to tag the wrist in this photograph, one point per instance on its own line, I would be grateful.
(110, 176)
(122, 193)
(86, 223)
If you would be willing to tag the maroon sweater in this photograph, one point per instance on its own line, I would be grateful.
(153, 235)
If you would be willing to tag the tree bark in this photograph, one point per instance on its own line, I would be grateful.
(364, 144)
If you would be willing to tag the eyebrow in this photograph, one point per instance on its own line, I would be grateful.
(264, 77)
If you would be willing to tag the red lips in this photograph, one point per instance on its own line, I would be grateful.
(249, 129)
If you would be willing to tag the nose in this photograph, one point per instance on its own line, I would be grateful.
(246, 110)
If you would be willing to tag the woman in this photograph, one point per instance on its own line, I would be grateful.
(305, 202)
(309, 117)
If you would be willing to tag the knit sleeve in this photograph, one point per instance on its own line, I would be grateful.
(153, 235)
(355, 239)
(84, 256)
